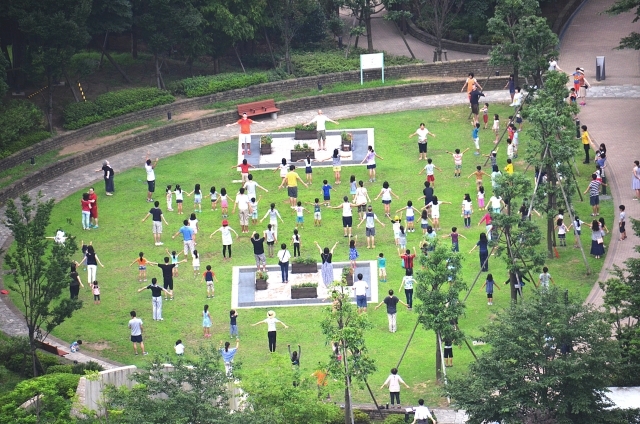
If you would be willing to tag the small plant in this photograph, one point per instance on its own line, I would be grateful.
(307, 261)
(346, 271)
(346, 136)
(260, 275)
(301, 147)
(310, 127)
(266, 139)
(306, 285)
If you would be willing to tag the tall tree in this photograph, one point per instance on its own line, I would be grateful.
(438, 287)
(538, 44)
(110, 17)
(550, 362)
(40, 270)
(289, 16)
(436, 16)
(343, 325)
(363, 11)
(631, 41)
(4, 68)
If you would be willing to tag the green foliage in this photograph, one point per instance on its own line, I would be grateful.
(307, 260)
(314, 27)
(60, 369)
(458, 34)
(307, 285)
(360, 417)
(632, 41)
(115, 103)
(394, 419)
(552, 357)
(21, 122)
(4, 65)
(302, 127)
(307, 64)
(537, 47)
(204, 85)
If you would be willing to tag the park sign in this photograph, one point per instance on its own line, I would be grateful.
(371, 61)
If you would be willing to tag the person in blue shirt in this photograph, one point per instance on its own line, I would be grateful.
(326, 192)
(75, 346)
(382, 268)
(228, 353)
(476, 138)
(187, 236)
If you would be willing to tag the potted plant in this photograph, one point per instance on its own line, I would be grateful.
(265, 144)
(304, 291)
(347, 276)
(306, 132)
(261, 280)
(301, 151)
(302, 265)
(347, 140)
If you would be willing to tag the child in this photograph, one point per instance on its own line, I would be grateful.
(485, 114)
(490, 284)
(577, 225)
(195, 262)
(402, 238)
(407, 259)
(244, 170)
(430, 172)
(478, 174)
(224, 202)
(75, 346)
(457, 160)
(603, 227)
(174, 260)
(284, 169)
(544, 278)
(206, 321)
(467, 210)
(254, 209)
(424, 220)
(395, 226)
(179, 347)
(386, 194)
(295, 239)
(208, 277)
(227, 240)
(197, 198)
(214, 198)
(516, 141)
(480, 197)
(382, 267)
(455, 246)
(317, 215)
(299, 214)
(435, 211)
(308, 170)
(496, 127)
(352, 185)
(169, 195)
(142, 266)
(270, 236)
(476, 138)
(572, 96)
(96, 293)
(509, 149)
(233, 323)
(409, 216)
(273, 215)
(326, 192)
(622, 222)
(519, 121)
(430, 238)
(179, 198)
(562, 232)
(193, 224)
(509, 168)
(353, 254)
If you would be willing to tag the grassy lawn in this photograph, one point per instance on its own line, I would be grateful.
(121, 236)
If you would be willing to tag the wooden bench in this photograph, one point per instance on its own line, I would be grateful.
(51, 348)
(262, 107)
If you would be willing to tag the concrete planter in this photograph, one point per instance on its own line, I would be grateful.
(265, 149)
(304, 292)
(261, 284)
(304, 268)
(306, 135)
(297, 155)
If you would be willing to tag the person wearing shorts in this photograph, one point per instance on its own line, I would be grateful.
(245, 132)
(475, 102)
(291, 180)
(347, 215)
(242, 202)
(258, 251)
(422, 134)
(151, 177)
(321, 126)
(360, 290)
(448, 353)
(187, 237)
(135, 325)
(158, 218)
(370, 218)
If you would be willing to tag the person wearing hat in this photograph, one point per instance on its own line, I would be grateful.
(584, 84)
(271, 322)
(227, 240)
(245, 131)
(370, 217)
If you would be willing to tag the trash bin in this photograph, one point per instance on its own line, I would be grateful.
(600, 71)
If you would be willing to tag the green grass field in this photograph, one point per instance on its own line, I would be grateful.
(121, 235)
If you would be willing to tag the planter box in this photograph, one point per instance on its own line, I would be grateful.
(346, 146)
(261, 284)
(265, 149)
(306, 135)
(304, 292)
(303, 268)
(297, 155)
(349, 279)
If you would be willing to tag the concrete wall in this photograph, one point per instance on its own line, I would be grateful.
(425, 37)
(93, 388)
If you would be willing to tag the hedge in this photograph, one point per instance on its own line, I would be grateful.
(204, 85)
(112, 104)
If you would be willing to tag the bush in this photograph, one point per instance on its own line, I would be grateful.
(307, 64)
(360, 417)
(24, 142)
(485, 39)
(88, 366)
(458, 35)
(394, 419)
(18, 119)
(115, 103)
(60, 369)
(210, 84)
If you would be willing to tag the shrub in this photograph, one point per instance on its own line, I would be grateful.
(360, 417)
(485, 39)
(458, 35)
(60, 369)
(302, 127)
(210, 84)
(394, 419)
(307, 260)
(305, 285)
(88, 366)
(316, 63)
(18, 119)
(112, 104)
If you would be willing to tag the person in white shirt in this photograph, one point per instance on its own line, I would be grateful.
(553, 65)
(422, 413)
(496, 202)
(271, 322)
(321, 126)
(250, 187)
(151, 177)
(179, 347)
(283, 260)
(393, 381)
(360, 291)
(242, 201)
(422, 134)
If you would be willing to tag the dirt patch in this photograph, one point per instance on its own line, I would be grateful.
(194, 114)
(89, 144)
(98, 346)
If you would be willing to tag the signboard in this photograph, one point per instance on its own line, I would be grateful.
(371, 61)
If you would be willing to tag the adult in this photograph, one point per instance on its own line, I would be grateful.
(393, 381)
(156, 298)
(108, 177)
(92, 260)
(392, 302)
(347, 215)
(370, 158)
(167, 276)
(291, 180)
(594, 194)
(283, 260)
(245, 131)
(258, 251)
(474, 98)
(407, 284)
(635, 182)
(250, 187)
(244, 210)
(326, 270)
(448, 353)
(584, 84)
(360, 288)
(483, 246)
(511, 85)
(271, 322)
(597, 240)
(93, 212)
(321, 127)
(187, 237)
(135, 325)
(422, 134)
(469, 84)
(370, 227)
(228, 353)
(158, 219)
(427, 194)
(553, 65)
(150, 167)
(361, 198)
(76, 283)
(422, 414)
(517, 99)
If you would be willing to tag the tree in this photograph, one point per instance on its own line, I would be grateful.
(289, 16)
(343, 325)
(538, 44)
(550, 362)
(40, 271)
(4, 67)
(622, 301)
(632, 41)
(363, 11)
(438, 287)
(435, 17)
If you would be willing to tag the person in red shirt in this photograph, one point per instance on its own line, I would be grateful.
(245, 131)
(86, 211)
(407, 257)
(244, 169)
(93, 198)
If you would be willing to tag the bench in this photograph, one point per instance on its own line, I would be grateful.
(51, 348)
(262, 107)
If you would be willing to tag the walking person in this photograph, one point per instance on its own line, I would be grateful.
(149, 168)
(422, 134)
(370, 217)
(321, 127)
(76, 282)
(326, 255)
(271, 322)
(393, 381)
(108, 177)
(283, 260)
(135, 325)
(392, 302)
(245, 132)
(156, 298)
(92, 260)
(158, 219)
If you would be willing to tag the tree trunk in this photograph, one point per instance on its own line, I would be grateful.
(115, 65)
(158, 80)
(513, 279)
(438, 361)
(273, 58)
(216, 65)
(239, 60)
(551, 205)
(66, 77)
(34, 357)
(104, 47)
(134, 41)
(367, 23)
(50, 102)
